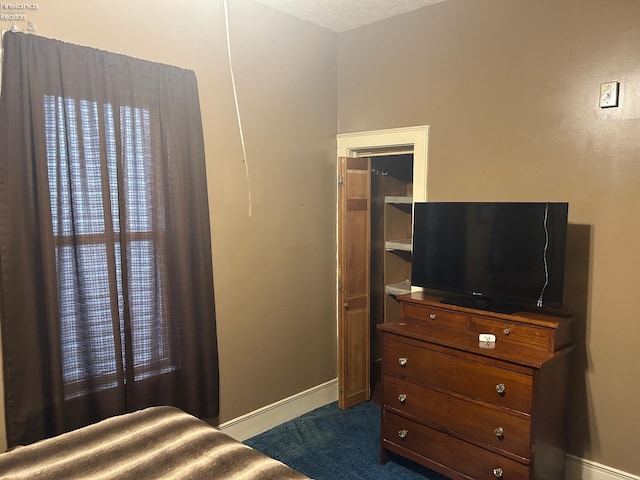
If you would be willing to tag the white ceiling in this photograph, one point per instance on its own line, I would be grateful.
(341, 15)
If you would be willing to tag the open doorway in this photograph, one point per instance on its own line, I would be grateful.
(394, 163)
(390, 248)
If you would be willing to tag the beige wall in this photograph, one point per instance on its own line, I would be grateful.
(274, 270)
(510, 91)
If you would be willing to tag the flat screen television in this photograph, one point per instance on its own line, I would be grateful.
(498, 256)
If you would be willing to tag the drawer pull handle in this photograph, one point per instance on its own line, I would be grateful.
(402, 361)
(497, 472)
(506, 331)
(402, 397)
(402, 433)
(499, 432)
(500, 388)
(432, 316)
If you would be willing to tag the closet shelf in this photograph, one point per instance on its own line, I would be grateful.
(400, 244)
(403, 199)
(399, 288)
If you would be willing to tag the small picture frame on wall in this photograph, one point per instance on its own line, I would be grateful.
(609, 94)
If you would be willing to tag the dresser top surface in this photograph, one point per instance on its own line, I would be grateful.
(540, 318)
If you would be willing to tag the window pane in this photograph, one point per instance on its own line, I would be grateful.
(136, 145)
(85, 318)
(57, 161)
(150, 334)
(89, 259)
(73, 156)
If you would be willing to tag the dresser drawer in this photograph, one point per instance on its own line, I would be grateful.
(474, 379)
(400, 435)
(535, 337)
(435, 316)
(491, 426)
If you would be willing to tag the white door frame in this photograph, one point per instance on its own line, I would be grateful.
(394, 140)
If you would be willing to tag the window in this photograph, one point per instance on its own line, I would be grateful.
(86, 225)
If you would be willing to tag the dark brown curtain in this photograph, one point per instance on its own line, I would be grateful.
(107, 299)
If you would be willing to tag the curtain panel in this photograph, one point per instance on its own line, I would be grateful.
(107, 300)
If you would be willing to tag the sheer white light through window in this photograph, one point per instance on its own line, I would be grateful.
(90, 200)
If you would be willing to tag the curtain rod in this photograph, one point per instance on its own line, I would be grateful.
(30, 28)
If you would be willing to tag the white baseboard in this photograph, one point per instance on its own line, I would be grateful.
(577, 468)
(264, 418)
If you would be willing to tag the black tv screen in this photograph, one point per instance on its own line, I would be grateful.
(501, 256)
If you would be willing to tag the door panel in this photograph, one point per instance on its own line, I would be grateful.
(354, 234)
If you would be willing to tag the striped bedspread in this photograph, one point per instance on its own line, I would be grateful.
(158, 442)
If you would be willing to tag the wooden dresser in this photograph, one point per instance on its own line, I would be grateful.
(472, 409)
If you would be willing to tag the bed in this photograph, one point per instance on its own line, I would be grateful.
(157, 442)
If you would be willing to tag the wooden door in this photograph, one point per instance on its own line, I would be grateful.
(354, 238)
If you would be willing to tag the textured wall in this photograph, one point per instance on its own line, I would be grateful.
(509, 89)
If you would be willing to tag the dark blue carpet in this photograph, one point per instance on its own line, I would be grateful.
(333, 444)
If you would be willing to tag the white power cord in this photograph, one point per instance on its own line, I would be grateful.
(546, 266)
(235, 97)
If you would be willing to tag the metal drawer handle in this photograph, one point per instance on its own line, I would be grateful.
(402, 433)
(506, 331)
(500, 388)
(497, 472)
(402, 361)
(499, 432)
(402, 397)
(432, 316)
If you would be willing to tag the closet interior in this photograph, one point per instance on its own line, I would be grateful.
(391, 231)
